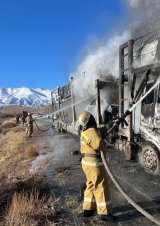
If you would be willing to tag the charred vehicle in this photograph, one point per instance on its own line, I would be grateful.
(67, 109)
(141, 137)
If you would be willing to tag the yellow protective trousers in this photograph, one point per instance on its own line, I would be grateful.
(96, 195)
(29, 129)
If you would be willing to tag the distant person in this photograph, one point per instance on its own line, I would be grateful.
(29, 124)
(23, 117)
(17, 118)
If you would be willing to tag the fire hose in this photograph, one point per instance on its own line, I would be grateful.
(140, 209)
(41, 129)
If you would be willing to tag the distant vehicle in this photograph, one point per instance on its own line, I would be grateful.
(55, 116)
(35, 116)
(48, 116)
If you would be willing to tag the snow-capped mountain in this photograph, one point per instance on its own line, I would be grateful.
(25, 97)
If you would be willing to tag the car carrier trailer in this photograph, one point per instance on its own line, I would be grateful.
(141, 138)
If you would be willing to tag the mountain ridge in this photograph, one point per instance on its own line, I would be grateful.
(33, 97)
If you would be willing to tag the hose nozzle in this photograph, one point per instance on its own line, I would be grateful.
(122, 119)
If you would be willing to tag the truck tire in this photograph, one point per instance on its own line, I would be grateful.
(149, 158)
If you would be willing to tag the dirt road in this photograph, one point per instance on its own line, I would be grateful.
(65, 177)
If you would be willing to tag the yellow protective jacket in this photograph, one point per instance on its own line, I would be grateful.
(92, 143)
(29, 120)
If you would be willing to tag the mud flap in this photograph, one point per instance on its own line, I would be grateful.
(130, 151)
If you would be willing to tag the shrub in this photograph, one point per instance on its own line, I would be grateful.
(30, 209)
(22, 208)
(8, 124)
(31, 151)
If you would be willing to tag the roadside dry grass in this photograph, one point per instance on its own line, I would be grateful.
(25, 199)
(12, 110)
(13, 142)
(29, 209)
(21, 207)
(8, 124)
(31, 151)
(30, 203)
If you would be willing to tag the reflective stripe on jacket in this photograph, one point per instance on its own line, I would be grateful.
(91, 142)
(89, 163)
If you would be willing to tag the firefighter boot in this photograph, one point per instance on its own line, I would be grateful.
(88, 213)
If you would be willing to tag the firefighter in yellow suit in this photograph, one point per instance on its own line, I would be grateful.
(96, 195)
(29, 125)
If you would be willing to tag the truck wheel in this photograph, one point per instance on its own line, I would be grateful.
(149, 158)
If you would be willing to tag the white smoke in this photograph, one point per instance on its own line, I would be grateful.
(136, 3)
(147, 55)
(60, 147)
(144, 6)
(147, 13)
(104, 61)
(100, 63)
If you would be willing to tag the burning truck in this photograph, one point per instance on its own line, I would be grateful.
(140, 138)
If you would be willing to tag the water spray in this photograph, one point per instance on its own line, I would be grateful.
(128, 112)
(69, 106)
(142, 98)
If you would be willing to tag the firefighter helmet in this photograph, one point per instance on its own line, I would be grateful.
(84, 118)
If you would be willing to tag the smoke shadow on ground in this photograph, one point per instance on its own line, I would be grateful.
(128, 212)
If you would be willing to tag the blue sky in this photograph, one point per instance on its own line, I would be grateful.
(41, 40)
